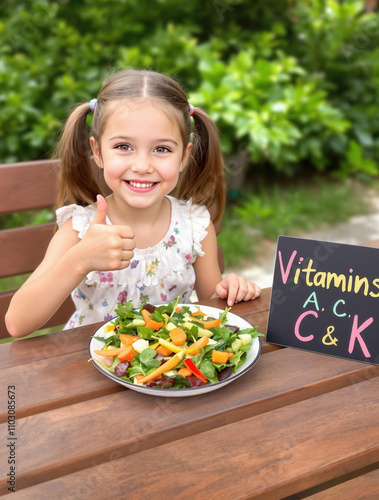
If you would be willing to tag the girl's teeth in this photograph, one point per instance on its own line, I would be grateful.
(139, 185)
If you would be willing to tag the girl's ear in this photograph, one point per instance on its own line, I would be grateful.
(95, 150)
(186, 155)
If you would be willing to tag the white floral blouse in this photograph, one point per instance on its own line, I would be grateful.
(156, 275)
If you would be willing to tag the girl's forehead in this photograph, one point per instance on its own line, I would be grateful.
(145, 114)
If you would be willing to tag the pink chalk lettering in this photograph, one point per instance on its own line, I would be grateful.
(297, 325)
(356, 334)
(285, 273)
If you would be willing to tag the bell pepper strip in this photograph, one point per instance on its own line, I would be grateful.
(109, 328)
(127, 339)
(191, 365)
(166, 318)
(196, 346)
(170, 346)
(165, 367)
(127, 354)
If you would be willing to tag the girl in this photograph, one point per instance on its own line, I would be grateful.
(139, 243)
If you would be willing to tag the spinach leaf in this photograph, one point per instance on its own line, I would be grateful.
(147, 359)
(124, 310)
(208, 370)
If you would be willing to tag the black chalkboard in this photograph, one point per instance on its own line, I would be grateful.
(325, 299)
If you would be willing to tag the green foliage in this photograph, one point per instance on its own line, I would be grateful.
(288, 210)
(293, 83)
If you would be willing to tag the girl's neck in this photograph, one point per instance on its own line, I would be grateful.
(150, 224)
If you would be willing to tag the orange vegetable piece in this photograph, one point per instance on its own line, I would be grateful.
(165, 367)
(230, 354)
(163, 350)
(219, 357)
(178, 309)
(128, 339)
(198, 313)
(139, 377)
(149, 322)
(109, 353)
(208, 324)
(127, 354)
(185, 372)
(196, 346)
(178, 336)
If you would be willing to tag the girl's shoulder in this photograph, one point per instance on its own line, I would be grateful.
(81, 217)
(192, 210)
(192, 219)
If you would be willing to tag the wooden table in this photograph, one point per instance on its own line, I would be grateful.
(297, 424)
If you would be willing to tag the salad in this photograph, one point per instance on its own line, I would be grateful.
(172, 346)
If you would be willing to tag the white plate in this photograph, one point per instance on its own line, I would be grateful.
(252, 357)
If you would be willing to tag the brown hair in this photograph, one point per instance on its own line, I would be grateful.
(203, 177)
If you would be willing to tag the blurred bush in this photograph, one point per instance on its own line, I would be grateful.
(293, 83)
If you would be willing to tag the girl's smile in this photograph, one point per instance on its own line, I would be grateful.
(141, 186)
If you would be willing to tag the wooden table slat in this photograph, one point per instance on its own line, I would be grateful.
(282, 379)
(363, 487)
(305, 447)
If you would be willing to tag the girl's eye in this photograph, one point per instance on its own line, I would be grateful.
(162, 149)
(124, 147)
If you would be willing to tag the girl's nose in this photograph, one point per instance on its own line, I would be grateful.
(142, 164)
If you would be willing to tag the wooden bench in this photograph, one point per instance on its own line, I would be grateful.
(31, 186)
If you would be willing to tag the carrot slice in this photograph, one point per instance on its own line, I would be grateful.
(196, 346)
(185, 372)
(209, 323)
(127, 354)
(198, 313)
(128, 339)
(109, 352)
(178, 336)
(163, 350)
(151, 323)
(168, 365)
(219, 357)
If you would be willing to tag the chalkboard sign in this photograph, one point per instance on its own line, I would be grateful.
(325, 298)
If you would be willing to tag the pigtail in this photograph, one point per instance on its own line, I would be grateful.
(77, 182)
(203, 179)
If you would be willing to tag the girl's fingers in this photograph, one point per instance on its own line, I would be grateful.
(236, 289)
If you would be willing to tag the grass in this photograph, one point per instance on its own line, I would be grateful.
(291, 210)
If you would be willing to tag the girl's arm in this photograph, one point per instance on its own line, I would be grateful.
(49, 285)
(67, 261)
(209, 282)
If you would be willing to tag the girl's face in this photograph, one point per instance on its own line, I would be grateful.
(141, 154)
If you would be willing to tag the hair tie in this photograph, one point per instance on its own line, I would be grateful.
(92, 105)
(191, 109)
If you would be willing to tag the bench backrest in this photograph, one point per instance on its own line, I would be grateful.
(30, 186)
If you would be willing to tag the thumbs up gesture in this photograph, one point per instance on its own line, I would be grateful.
(106, 247)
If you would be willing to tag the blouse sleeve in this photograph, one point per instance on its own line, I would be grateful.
(81, 217)
(200, 221)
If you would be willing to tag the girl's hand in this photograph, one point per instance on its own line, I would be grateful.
(105, 247)
(236, 288)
